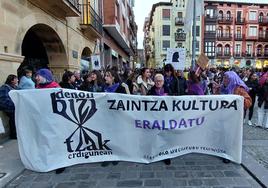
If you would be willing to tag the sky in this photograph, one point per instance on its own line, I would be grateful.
(141, 10)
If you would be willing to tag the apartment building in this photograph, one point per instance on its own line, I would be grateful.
(63, 34)
(165, 28)
(120, 33)
(236, 32)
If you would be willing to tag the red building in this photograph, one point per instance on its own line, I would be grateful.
(236, 33)
(120, 33)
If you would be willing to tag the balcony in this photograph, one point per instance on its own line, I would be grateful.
(224, 55)
(248, 55)
(239, 37)
(237, 55)
(253, 21)
(209, 18)
(179, 21)
(263, 21)
(225, 20)
(224, 36)
(59, 8)
(263, 37)
(180, 36)
(91, 23)
(240, 21)
(252, 38)
(210, 35)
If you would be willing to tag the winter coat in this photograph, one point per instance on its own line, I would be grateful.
(263, 96)
(6, 104)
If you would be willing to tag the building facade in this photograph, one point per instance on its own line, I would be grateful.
(59, 35)
(165, 28)
(120, 33)
(236, 33)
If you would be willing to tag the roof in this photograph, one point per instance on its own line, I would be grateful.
(155, 6)
(241, 1)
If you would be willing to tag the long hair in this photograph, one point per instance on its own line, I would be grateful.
(169, 67)
(99, 77)
(115, 75)
(10, 78)
(66, 76)
(193, 77)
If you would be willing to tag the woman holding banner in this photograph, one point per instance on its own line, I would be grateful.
(232, 84)
(144, 81)
(113, 85)
(159, 89)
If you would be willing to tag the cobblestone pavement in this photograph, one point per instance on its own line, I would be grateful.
(192, 170)
(256, 141)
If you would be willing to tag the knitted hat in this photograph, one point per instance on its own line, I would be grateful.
(45, 73)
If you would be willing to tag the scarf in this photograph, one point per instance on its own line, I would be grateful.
(112, 88)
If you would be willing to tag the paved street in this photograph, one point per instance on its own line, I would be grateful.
(193, 170)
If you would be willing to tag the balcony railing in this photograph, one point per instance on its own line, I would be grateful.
(240, 21)
(60, 8)
(210, 34)
(239, 36)
(180, 36)
(209, 18)
(224, 36)
(179, 21)
(263, 37)
(91, 20)
(263, 20)
(223, 55)
(237, 55)
(248, 55)
(225, 20)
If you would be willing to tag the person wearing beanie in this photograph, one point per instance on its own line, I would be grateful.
(44, 79)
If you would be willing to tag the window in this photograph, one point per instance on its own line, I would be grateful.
(210, 28)
(252, 32)
(249, 49)
(198, 31)
(252, 15)
(197, 46)
(261, 17)
(166, 44)
(180, 14)
(210, 13)
(210, 49)
(166, 14)
(219, 49)
(266, 50)
(228, 15)
(238, 49)
(259, 50)
(117, 12)
(220, 31)
(221, 14)
(227, 50)
(166, 30)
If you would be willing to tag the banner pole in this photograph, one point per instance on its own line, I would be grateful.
(194, 36)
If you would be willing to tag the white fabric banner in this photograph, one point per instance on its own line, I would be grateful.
(60, 127)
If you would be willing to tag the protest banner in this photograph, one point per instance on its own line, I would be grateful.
(68, 127)
(176, 57)
(203, 61)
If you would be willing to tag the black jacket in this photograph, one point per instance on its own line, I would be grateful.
(263, 96)
(173, 86)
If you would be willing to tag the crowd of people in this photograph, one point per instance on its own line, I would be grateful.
(245, 82)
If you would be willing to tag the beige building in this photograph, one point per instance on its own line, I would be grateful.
(165, 28)
(55, 34)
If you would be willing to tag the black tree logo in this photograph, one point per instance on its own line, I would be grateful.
(79, 111)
